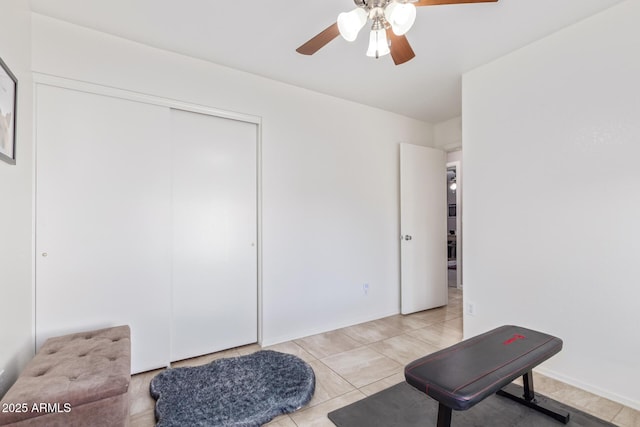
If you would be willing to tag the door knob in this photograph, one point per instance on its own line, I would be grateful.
(408, 237)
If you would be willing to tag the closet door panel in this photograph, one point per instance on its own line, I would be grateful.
(214, 234)
(103, 219)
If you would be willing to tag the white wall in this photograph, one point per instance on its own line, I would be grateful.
(447, 135)
(16, 343)
(329, 174)
(551, 152)
(454, 156)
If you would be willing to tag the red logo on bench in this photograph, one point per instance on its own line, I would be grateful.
(514, 338)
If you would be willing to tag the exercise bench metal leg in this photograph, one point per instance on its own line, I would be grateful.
(526, 396)
(444, 415)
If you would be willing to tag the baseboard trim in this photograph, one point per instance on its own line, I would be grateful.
(590, 388)
(269, 341)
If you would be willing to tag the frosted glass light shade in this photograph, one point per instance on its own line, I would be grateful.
(378, 44)
(350, 23)
(401, 16)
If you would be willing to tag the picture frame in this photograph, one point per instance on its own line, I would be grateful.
(8, 106)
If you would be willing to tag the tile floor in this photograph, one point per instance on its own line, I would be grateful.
(360, 360)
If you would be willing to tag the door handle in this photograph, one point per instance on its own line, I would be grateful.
(408, 237)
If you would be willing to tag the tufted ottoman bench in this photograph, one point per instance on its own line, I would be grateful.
(75, 380)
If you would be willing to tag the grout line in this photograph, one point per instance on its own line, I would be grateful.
(616, 415)
(339, 376)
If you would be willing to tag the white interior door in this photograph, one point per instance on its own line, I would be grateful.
(423, 225)
(103, 219)
(214, 234)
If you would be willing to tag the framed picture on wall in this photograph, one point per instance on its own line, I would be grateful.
(8, 93)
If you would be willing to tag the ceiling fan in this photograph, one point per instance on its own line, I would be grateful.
(391, 19)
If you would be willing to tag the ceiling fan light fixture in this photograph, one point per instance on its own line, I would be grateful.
(391, 20)
(350, 23)
(401, 16)
(378, 44)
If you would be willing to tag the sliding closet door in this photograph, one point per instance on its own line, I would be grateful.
(214, 234)
(103, 219)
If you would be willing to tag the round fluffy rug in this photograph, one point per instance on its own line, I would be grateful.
(243, 391)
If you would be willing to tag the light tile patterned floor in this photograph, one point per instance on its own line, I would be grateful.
(360, 360)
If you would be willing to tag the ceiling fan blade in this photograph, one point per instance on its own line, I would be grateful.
(401, 51)
(437, 2)
(319, 41)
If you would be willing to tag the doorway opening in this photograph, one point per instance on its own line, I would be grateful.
(454, 229)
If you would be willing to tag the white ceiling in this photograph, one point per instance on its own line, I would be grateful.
(261, 37)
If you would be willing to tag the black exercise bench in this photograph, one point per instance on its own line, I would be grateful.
(464, 374)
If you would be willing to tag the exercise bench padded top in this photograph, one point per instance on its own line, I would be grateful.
(464, 374)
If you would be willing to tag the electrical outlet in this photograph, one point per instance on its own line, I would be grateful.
(471, 308)
(365, 289)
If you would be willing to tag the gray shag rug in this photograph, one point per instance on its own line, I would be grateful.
(243, 391)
